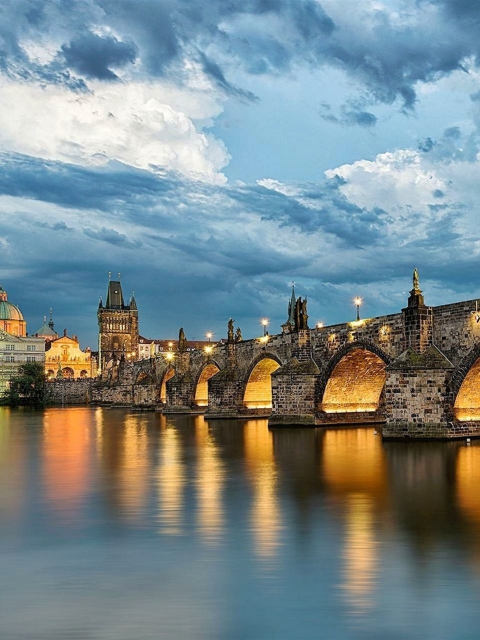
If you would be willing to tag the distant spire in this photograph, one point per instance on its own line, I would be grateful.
(50, 324)
(109, 276)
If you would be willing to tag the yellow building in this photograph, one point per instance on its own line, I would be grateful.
(65, 359)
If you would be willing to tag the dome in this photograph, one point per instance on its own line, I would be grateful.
(8, 311)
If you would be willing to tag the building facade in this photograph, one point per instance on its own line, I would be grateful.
(117, 327)
(65, 359)
(15, 351)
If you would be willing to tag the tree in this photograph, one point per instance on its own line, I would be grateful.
(27, 387)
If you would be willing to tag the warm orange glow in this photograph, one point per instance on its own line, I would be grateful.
(170, 483)
(320, 325)
(209, 483)
(355, 384)
(360, 555)
(201, 392)
(208, 349)
(258, 393)
(169, 356)
(467, 402)
(163, 389)
(266, 518)
(66, 442)
(468, 482)
(354, 462)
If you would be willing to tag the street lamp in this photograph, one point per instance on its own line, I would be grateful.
(264, 323)
(357, 302)
(209, 335)
(320, 325)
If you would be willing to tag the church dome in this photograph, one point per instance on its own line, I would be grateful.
(8, 311)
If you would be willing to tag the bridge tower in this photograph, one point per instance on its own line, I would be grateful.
(117, 326)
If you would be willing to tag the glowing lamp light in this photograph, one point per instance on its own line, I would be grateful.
(357, 302)
(169, 356)
(209, 335)
(320, 325)
(208, 350)
(264, 323)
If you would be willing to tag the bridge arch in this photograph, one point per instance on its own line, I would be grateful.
(258, 382)
(201, 383)
(465, 387)
(354, 379)
(169, 373)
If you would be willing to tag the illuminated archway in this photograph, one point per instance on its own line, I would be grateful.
(201, 391)
(67, 372)
(163, 389)
(258, 392)
(467, 402)
(355, 384)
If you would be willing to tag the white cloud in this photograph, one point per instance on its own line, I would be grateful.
(132, 123)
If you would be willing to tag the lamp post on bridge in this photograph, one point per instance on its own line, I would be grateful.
(264, 323)
(357, 302)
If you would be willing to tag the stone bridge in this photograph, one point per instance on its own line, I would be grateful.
(416, 372)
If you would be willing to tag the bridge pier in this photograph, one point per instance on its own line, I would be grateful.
(300, 373)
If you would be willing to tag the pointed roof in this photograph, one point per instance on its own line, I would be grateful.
(46, 330)
(114, 295)
(290, 322)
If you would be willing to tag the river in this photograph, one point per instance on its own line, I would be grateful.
(134, 526)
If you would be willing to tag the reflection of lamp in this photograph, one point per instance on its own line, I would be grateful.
(357, 302)
(264, 323)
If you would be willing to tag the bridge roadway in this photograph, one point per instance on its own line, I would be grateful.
(416, 372)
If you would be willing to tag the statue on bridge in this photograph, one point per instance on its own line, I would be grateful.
(231, 337)
(238, 335)
(182, 341)
(301, 316)
(416, 280)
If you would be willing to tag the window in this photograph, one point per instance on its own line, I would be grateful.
(31, 347)
(9, 347)
(9, 358)
(30, 358)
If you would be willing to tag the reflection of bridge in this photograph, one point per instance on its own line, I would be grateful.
(417, 371)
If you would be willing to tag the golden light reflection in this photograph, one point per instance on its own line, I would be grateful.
(66, 443)
(353, 462)
(468, 482)
(12, 468)
(133, 472)
(170, 478)
(266, 517)
(209, 482)
(360, 573)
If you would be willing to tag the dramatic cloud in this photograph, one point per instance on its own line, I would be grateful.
(125, 124)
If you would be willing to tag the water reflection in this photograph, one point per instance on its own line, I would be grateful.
(66, 460)
(266, 518)
(305, 529)
(209, 481)
(170, 478)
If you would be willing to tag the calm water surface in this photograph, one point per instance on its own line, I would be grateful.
(131, 526)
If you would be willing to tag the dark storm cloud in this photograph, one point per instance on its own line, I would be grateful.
(92, 55)
(385, 55)
(111, 236)
(351, 115)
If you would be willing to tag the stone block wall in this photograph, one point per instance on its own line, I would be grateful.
(68, 392)
(417, 402)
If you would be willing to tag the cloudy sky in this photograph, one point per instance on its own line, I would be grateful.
(214, 152)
